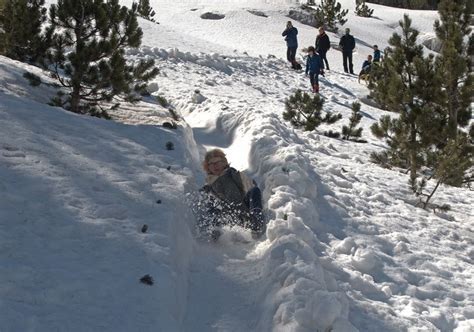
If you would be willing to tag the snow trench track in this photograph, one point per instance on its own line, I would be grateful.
(277, 284)
(233, 284)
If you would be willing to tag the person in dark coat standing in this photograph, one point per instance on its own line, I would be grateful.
(290, 34)
(314, 67)
(347, 44)
(323, 45)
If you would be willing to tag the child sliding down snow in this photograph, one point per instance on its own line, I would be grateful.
(228, 198)
(314, 67)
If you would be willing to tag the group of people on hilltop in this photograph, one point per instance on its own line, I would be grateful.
(317, 61)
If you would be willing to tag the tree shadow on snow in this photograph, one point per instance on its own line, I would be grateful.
(339, 87)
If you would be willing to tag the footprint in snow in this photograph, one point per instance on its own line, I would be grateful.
(13, 154)
(10, 148)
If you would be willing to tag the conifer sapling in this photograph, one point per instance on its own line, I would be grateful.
(329, 13)
(145, 10)
(349, 132)
(363, 10)
(304, 111)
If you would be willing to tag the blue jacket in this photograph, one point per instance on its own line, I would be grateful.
(366, 64)
(314, 64)
(377, 56)
(291, 40)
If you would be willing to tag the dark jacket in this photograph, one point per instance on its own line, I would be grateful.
(377, 56)
(291, 40)
(314, 64)
(228, 187)
(322, 43)
(230, 199)
(347, 43)
(366, 64)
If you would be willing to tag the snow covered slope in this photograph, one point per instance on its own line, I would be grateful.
(76, 192)
(345, 249)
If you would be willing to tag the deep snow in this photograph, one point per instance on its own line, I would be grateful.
(345, 249)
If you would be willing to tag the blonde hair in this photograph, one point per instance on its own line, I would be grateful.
(213, 154)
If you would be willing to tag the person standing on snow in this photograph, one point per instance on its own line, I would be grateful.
(235, 199)
(322, 45)
(314, 67)
(377, 54)
(290, 34)
(347, 44)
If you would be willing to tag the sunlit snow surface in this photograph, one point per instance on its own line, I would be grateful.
(345, 248)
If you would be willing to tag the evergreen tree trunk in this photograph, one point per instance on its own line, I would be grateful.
(451, 84)
(413, 152)
(76, 95)
(452, 106)
(79, 66)
(428, 198)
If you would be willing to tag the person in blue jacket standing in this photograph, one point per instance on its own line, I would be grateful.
(290, 34)
(377, 54)
(314, 67)
(347, 44)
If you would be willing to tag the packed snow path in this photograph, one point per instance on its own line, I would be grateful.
(223, 288)
(223, 279)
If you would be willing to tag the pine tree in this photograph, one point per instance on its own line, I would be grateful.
(453, 29)
(453, 156)
(363, 10)
(415, 87)
(96, 69)
(410, 87)
(145, 10)
(329, 14)
(304, 111)
(21, 22)
(351, 132)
